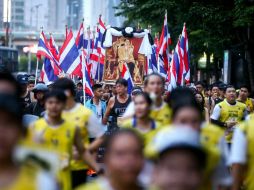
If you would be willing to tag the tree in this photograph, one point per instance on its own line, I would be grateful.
(213, 25)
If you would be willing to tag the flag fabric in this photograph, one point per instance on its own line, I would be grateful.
(87, 86)
(152, 61)
(55, 52)
(180, 64)
(127, 76)
(88, 44)
(163, 54)
(69, 58)
(172, 74)
(47, 73)
(185, 54)
(44, 48)
(80, 37)
(97, 56)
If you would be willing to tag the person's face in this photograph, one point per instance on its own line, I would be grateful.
(215, 91)
(199, 98)
(54, 107)
(98, 93)
(10, 133)
(7, 87)
(230, 95)
(244, 93)
(155, 85)
(199, 88)
(79, 87)
(141, 107)
(120, 89)
(124, 159)
(30, 86)
(188, 116)
(178, 170)
(39, 95)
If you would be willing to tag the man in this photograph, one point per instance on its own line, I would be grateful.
(242, 157)
(96, 104)
(118, 104)
(25, 98)
(13, 175)
(57, 134)
(179, 159)
(229, 113)
(86, 121)
(199, 87)
(37, 108)
(244, 98)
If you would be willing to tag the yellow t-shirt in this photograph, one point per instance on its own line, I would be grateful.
(148, 135)
(231, 113)
(26, 180)
(248, 129)
(162, 114)
(59, 139)
(79, 116)
(249, 104)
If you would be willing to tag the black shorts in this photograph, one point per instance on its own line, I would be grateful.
(78, 178)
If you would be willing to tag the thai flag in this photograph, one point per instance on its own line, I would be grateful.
(152, 62)
(97, 56)
(87, 85)
(70, 61)
(47, 72)
(80, 37)
(88, 44)
(163, 54)
(55, 52)
(185, 54)
(180, 65)
(127, 76)
(172, 74)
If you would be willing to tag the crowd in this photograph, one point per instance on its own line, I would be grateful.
(195, 137)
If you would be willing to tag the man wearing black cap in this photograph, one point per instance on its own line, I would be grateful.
(25, 98)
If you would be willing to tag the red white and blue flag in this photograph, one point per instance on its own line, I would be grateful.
(127, 76)
(152, 61)
(87, 85)
(163, 53)
(55, 52)
(47, 74)
(185, 54)
(80, 38)
(97, 56)
(70, 60)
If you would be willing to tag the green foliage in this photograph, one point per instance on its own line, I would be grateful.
(23, 63)
(211, 24)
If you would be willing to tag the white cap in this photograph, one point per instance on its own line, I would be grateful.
(173, 137)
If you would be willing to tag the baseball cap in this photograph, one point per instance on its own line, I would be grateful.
(9, 103)
(40, 87)
(136, 90)
(175, 137)
(22, 79)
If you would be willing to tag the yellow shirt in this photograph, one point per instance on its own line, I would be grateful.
(148, 135)
(79, 116)
(59, 139)
(231, 113)
(26, 180)
(249, 104)
(162, 114)
(248, 129)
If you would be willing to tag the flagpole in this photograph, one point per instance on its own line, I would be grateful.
(37, 65)
(99, 58)
(84, 76)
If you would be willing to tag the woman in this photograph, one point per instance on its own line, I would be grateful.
(201, 100)
(142, 121)
(123, 161)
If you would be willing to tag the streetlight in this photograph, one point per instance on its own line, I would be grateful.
(37, 7)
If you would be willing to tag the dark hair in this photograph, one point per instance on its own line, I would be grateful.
(183, 97)
(109, 141)
(154, 74)
(58, 94)
(202, 104)
(96, 86)
(199, 83)
(64, 84)
(245, 86)
(122, 82)
(146, 97)
(8, 77)
(229, 86)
